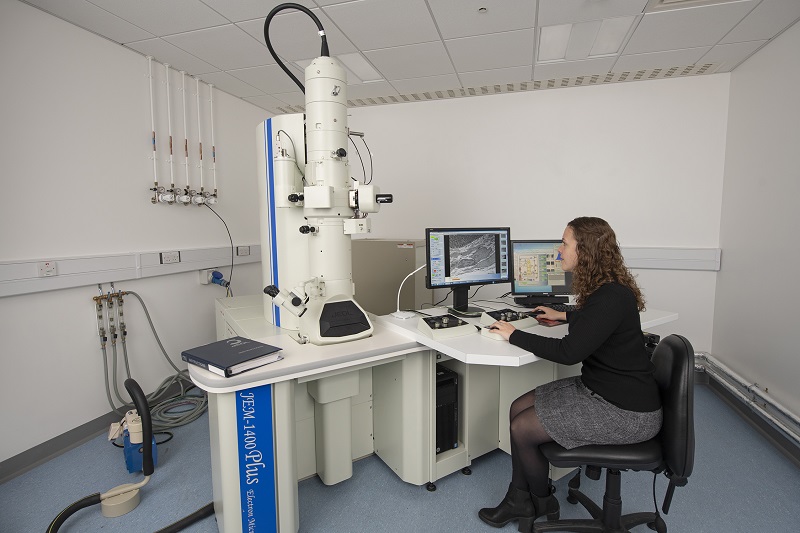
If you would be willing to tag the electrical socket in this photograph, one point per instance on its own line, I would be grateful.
(168, 258)
(47, 269)
(205, 275)
(242, 250)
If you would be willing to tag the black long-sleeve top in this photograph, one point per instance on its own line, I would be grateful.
(606, 335)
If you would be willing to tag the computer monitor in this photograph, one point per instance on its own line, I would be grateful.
(537, 277)
(459, 258)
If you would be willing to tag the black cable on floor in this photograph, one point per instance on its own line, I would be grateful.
(58, 521)
(185, 522)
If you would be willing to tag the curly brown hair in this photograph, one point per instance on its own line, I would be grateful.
(599, 260)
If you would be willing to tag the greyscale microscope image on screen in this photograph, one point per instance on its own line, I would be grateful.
(472, 254)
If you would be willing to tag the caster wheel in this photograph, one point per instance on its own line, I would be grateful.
(572, 499)
(466, 471)
(658, 525)
(431, 487)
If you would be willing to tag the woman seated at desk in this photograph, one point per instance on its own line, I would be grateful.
(615, 400)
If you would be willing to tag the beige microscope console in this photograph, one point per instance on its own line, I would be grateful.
(518, 319)
(444, 327)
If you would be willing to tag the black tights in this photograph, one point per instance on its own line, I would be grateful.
(529, 467)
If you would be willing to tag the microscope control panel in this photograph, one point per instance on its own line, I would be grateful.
(444, 327)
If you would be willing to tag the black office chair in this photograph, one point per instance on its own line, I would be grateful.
(670, 452)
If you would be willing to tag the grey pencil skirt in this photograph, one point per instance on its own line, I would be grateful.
(575, 416)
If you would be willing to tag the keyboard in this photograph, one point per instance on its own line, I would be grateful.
(561, 308)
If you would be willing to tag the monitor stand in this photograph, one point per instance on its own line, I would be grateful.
(535, 301)
(461, 306)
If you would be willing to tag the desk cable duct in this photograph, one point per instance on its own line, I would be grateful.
(751, 395)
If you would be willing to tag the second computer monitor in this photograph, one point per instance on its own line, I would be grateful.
(537, 276)
(462, 257)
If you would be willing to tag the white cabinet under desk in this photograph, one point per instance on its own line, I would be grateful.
(389, 381)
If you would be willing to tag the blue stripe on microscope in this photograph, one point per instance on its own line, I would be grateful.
(271, 206)
(256, 459)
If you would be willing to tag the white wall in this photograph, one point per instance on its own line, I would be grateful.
(647, 156)
(757, 292)
(75, 133)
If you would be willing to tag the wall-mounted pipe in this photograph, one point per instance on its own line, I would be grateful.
(213, 198)
(185, 198)
(735, 384)
(199, 198)
(153, 128)
(168, 195)
(169, 131)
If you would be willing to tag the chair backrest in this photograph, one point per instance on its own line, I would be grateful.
(674, 362)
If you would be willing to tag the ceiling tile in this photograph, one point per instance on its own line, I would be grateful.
(765, 21)
(611, 35)
(429, 83)
(672, 58)
(495, 76)
(240, 10)
(686, 28)
(178, 59)
(581, 40)
(569, 69)
(164, 18)
(291, 98)
(370, 90)
(462, 18)
(229, 84)
(294, 35)
(265, 102)
(269, 78)
(730, 55)
(552, 12)
(226, 47)
(498, 50)
(373, 24)
(412, 61)
(89, 16)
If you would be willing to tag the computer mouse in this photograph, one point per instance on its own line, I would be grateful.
(535, 312)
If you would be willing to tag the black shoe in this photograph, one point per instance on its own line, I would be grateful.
(515, 506)
(543, 505)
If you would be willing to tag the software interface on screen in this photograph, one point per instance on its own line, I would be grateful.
(537, 268)
(465, 256)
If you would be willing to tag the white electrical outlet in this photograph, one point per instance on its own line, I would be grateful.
(47, 269)
(205, 276)
(242, 250)
(168, 258)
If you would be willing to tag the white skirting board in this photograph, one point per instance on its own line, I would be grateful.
(24, 277)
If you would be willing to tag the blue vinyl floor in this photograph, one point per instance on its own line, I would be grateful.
(741, 483)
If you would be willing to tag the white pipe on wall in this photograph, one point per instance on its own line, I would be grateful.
(213, 144)
(199, 131)
(152, 126)
(169, 128)
(185, 198)
(726, 375)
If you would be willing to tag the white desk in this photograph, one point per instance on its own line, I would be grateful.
(476, 349)
(380, 390)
